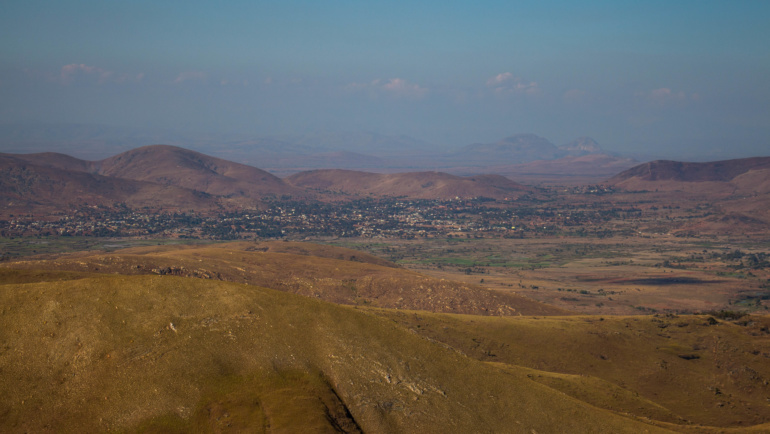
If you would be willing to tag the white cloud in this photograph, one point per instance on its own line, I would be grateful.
(189, 76)
(507, 84)
(397, 87)
(574, 95)
(665, 96)
(401, 87)
(74, 72)
(500, 78)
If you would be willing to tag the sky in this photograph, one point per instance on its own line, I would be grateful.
(686, 79)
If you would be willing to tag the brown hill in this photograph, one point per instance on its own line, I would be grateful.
(170, 165)
(329, 273)
(32, 189)
(739, 189)
(420, 185)
(154, 176)
(55, 160)
(677, 171)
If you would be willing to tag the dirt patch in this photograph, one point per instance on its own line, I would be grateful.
(662, 281)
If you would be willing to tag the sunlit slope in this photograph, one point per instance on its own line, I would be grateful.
(27, 188)
(171, 165)
(169, 354)
(685, 369)
(717, 179)
(414, 185)
(292, 247)
(310, 270)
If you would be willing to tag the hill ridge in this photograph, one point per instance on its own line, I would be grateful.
(665, 170)
(423, 185)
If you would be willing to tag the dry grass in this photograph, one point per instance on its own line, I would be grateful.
(329, 273)
(84, 350)
(614, 276)
(170, 354)
(685, 369)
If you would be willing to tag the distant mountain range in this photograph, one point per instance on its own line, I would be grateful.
(517, 149)
(588, 168)
(287, 154)
(391, 154)
(582, 146)
(169, 178)
(173, 178)
(147, 176)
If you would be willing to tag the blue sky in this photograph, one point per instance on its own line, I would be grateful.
(676, 79)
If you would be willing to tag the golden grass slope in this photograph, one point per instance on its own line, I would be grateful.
(329, 273)
(170, 354)
(686, 370)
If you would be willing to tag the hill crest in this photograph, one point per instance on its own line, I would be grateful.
(667, 170)
(521, 148)
(582, 146)
(31, 188)
(171, 165)
(420, 185)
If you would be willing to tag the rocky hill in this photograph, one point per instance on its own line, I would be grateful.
(678, 171)
(170, 165)
(582, 146)
(27, 188)
(423, 185)
(741, 188)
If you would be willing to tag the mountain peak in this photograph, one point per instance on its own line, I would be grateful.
(679, 171)
(172, 165)
(520, 148)
(583, 145)
(525, 138)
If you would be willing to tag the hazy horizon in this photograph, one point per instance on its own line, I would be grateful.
(670, 80)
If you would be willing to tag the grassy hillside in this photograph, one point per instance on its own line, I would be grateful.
(329, 273)
(679, 369)
(187, 339)
(171, 354)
